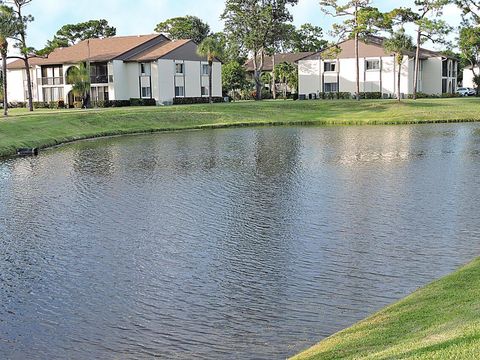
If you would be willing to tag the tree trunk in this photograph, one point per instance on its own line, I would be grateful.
(399, 61)
(357, 59)
(25, 60)
(210, 75)
(274, 90)
(4, 78)
(417, 64)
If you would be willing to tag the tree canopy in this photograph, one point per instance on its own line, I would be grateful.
(255, 25)
(307, 38)
(185, 27)
(72, 34)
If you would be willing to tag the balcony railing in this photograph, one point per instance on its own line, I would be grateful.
(99, 79)
(52, 80)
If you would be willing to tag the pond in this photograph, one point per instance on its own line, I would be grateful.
(238, 243)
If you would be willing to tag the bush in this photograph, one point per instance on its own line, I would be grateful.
(195, 100)
(41, 105)
(17, 104)
(116, 103)
(143, 102)
(371, 95)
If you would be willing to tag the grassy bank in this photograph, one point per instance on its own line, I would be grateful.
(47, 128)
(441, 321)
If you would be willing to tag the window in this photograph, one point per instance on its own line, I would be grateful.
(52, 94)
(330, 87)
(52, 75)
(99, 93)
(204, 91)
(179, 91)
(145, 69)
(330, 66)
(99, 73)
(146, 93)
(179, 68)
(372, 65)
(205, 69)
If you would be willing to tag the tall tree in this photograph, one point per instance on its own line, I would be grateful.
(471, 10)
(234, 77)
(79, 78)
(21, 39)
(8, 29)
(307, 38)
(72, 34)
(399, 43)
(254, 24)
(287, 74)
(211, 48)
(469, 44)
(185, 27)
(361, 20)
(429, 28)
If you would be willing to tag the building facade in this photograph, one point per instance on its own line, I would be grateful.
(469, 75)
(323, 72)
(121, 68)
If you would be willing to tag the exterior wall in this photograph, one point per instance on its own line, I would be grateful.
(217, 89)
(309, 79)
(432, 76)
(15, 89)
(192, 79)
(126, 81)
(120, 82)
(166, 84)
(312, 76)
(468, 78)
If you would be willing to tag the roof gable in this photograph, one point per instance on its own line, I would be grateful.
(95, 50)
(372, 47)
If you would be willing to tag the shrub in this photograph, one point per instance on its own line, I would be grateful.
(17, 104)
(195, 100)
(143, 102)
(116, 103)
(371, 95)
(61, 104)
(41, 105)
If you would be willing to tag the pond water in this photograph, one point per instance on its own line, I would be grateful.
(240, 243)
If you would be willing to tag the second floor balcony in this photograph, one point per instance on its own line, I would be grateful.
(51, 81)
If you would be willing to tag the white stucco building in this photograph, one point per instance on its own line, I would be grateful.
(121, 68)
(468, 76)
(320, 73)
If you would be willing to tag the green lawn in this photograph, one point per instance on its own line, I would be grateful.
(45, 128)
(441, 321)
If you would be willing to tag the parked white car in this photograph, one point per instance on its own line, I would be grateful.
(464, 91)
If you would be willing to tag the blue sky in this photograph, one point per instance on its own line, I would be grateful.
(141, 16)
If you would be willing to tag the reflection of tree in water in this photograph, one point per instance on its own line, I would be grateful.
(255, 247)
(95, 158)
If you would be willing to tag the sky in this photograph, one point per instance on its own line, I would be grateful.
(141, 16)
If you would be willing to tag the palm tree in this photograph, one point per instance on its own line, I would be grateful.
(399, 43)
(211, 47)
(286, 72)
(8, 28)
(79, 77)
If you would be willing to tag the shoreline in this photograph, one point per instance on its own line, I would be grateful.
(435, 321)
(48, 145)
(64, 127)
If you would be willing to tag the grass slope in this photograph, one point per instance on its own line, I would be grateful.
(47, 128)
(441, 321)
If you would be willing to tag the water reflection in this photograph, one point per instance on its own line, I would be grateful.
(247, 243)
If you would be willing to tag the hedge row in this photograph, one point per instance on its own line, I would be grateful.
(196, 100)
